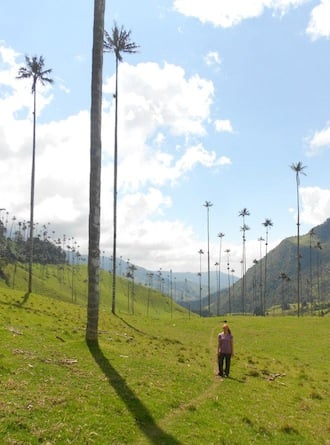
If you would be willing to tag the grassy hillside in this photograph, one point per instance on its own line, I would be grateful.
(152, 380)
(69, 283)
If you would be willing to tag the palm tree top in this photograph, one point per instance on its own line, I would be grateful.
(221, 235)
(34, 68)
(268, 222)
(299, 169)
(208, 204)
(119, 41)
(244, 212)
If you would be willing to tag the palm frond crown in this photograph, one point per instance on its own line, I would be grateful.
(34, 69)
(298, 168)
(119, 41)
(244, 212)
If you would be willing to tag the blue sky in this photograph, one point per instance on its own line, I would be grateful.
(222, 97)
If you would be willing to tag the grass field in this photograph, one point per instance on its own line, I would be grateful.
(152, 380)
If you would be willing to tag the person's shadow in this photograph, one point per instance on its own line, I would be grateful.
(141, 414)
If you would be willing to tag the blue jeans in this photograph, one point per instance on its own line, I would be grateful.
(224, 359)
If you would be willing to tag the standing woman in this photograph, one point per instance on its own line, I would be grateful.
(225, 350)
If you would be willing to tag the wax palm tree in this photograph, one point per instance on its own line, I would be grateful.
(260, 239)
(149, 275)
(95, 175)
(254, 286)
(208, 204)
(283, 276)
(118, 42)
(319, 247)
(243, 213)
(267, 223)
(298, 168)
(220, 235)
(131, 274)
(311, 234)
(227, 251)
(34, 70)
(201, 252)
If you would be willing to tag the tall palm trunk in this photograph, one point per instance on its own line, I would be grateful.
(32, 190)
(208, 204)
(265, 275)
(311, 233)
(95, 175)
(298, 250)
(115, 181)
(261, 302)
(118, 42)
(298, 169)
(33, 69)
(243, 272)
(208, 264)
(220, 235)
(244, 212)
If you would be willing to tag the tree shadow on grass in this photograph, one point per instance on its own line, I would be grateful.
(26, 297)
(141, 414)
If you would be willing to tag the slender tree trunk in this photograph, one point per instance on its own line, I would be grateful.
(298, 249)
(115, 175)
(243, 273)
(260, 281)
(310, 275)
(208, 264)
(95, 175)
(32, 191)
(265, 277)
(219, 295)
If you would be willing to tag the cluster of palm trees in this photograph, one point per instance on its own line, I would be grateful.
(244, 228)
(298, 168)
(48, 248)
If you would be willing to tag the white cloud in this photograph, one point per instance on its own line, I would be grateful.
(212, 58)
(229, 13)
(319, 24)
(315, 205)
(223, 125)
(162, 106)
(319, 142)
(163, 115)
(158, 96)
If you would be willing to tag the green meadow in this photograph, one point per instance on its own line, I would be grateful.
(152, 380)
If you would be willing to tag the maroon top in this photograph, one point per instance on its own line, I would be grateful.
(226, 343)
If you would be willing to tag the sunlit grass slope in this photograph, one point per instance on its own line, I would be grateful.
(69, 283)
(152, 380)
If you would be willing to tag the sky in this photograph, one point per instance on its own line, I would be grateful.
(221, 99)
